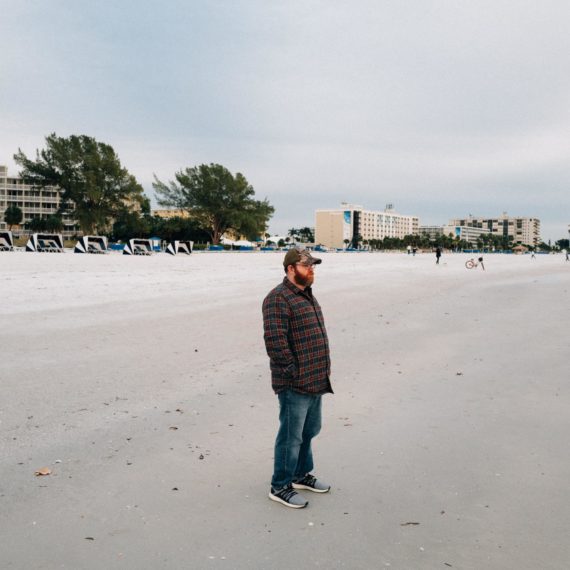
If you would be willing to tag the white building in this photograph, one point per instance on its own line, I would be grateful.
(465, 233)
(34, 203)
(522, 230)
(339, 227)
(432, 232)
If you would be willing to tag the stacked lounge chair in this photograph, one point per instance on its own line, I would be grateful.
(6, 241)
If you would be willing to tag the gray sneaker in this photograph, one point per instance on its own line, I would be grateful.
(288, 497)
(311, 483)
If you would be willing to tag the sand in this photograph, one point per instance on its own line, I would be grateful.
(143, 384)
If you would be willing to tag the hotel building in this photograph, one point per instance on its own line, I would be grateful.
(337, 228)
(524, 231)
(168, 214)
(34, 203)
(465, 233)
(432, 232)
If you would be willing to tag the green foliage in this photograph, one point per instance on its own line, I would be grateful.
(170, 229)
(95, 187)
(304, 235)
(37, 225)
(544, 247)
(132, 225)
(54, 224)
(129, 225)
(563, 244)
(217, 200)
(13, 216)
(421, 241)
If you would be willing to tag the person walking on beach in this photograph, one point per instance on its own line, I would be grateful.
(437, 255)
(297, 345)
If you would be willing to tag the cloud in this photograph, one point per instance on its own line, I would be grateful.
(437, 106)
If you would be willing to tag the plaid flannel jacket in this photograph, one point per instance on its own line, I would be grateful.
(296, 340)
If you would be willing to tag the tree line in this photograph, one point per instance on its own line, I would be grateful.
(450, 242)
(104, 198)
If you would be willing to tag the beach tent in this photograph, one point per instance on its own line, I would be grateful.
(178, 246)
(138, 246)
(519, 249)
(91, 244)
(6, 241)
(50, 243)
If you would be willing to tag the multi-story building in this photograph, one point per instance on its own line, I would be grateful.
(521, 230)
(465, 233)
(34, 203)
(167, 214)
(352, 223)
(432, 232)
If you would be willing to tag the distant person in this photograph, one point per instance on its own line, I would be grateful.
(414, 249)
(437, 255)
(565, 253)
(533, 256)
(480, 260)
(409, 248)
(298, 348)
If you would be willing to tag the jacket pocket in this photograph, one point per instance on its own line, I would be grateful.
(291, 371)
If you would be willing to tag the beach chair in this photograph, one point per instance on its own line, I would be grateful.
(6, 241)
(51, 246)
(141, 250)
(95, 247)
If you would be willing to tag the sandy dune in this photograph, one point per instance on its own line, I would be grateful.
(143, 384)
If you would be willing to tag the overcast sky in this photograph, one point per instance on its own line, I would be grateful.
(443, 108)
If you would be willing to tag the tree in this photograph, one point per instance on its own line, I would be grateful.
(217, 200)
(37, 225)
(13, 216)
(254, 217)
(130, 225)
(177, 228)
(544, 246)
(54, 224)
(507, 242)
(95, 187)
(304, 235)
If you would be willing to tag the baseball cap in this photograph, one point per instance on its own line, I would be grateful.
(299, 255)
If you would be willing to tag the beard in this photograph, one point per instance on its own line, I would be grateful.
(303, 281)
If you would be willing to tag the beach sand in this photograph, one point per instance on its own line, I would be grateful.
(143, 384)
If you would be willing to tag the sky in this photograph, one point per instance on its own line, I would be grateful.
(443, 108)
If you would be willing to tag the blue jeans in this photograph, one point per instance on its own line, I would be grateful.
(299, 423)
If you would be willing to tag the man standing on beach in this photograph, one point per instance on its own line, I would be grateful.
(298, 348)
